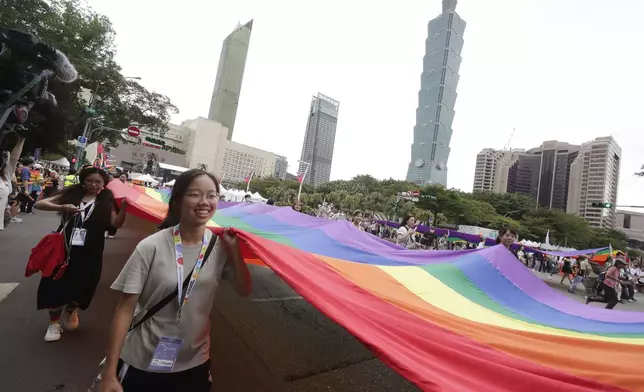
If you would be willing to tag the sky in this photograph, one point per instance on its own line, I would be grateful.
(568, 70)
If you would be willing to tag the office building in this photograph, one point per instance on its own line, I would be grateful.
(540, 172)
(494, 168)
(631, 223)
(437, 98)
(207, 142)
(281, 166)
(319, 140)
(557, 175)
(594, 178)
(211, 150)
(239, 160)
(230, 74)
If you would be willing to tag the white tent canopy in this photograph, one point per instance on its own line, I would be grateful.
(238, 195)
(174, 168)
(60, 162)
(257, 197)
(146, 178)
(170, 183)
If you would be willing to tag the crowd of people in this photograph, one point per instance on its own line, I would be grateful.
(614, 282)
(23, 183)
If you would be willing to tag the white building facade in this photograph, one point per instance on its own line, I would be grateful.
(594, 178)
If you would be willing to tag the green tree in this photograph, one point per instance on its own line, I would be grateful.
(507, 204)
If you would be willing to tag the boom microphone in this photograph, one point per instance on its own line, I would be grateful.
(65, 71)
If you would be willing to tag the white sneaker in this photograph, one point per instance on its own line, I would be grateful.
(53, 332)
(16, 220)
(70, 320)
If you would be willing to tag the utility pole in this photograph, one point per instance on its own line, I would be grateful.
(306, 170)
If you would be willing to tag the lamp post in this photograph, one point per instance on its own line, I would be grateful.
(510, 212)
(86, 129)
(306, 170)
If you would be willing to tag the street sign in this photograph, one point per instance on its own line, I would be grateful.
(409, 195)
(82, 141)
(133, 131)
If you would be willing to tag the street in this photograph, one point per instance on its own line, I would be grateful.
(274, 341)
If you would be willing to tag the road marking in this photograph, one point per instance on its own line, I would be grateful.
(275, 299)
(6, 289)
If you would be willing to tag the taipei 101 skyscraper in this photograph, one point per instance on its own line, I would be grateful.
(437, 98)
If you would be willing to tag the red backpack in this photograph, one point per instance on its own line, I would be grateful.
(49, 255)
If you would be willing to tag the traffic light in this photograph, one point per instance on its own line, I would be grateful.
(91, 112)
(602, 205)
(73, 159)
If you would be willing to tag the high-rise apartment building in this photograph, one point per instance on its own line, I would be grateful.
(557, 175)
(437, 98)
(319, 140)
(485, 170)
(232, 62)
(594, 178)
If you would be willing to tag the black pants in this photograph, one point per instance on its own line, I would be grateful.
(611, 297)
(111, 230)
(627, 291)
(28, 206)
(196, 379)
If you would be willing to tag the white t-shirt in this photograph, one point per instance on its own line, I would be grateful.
(400, 233)
(151, 272)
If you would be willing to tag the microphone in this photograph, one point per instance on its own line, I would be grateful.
(65, 71)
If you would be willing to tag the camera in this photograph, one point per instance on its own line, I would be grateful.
(26, 65)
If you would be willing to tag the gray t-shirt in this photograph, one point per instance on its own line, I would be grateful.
(151, 273)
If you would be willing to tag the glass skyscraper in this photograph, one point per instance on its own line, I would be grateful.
(232, 62)
(319, 140)
(436, 98)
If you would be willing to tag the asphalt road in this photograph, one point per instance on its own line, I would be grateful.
(273, 342)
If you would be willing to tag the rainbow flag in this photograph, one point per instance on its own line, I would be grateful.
(602, 255)
(471, 320)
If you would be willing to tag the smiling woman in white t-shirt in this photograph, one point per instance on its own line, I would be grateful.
(405, 233)
(170, 351)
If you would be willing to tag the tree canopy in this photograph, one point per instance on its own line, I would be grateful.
(87, 38)
(443, 207)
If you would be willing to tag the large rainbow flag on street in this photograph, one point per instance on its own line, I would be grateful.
(475, 320)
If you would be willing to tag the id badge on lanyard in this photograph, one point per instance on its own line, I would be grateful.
(79, 233)
(167, 350)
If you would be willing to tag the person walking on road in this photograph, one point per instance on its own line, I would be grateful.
(611, 280)
(89, 209)
(9, 164)
(583, 273)
(169, 351)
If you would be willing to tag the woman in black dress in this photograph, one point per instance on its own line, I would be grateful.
(89, 210)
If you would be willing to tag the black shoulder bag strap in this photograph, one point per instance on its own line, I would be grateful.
(170, 297)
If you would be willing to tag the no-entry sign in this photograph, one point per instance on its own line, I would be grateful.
(133, 131)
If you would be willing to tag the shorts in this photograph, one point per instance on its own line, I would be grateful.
(196, 379)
